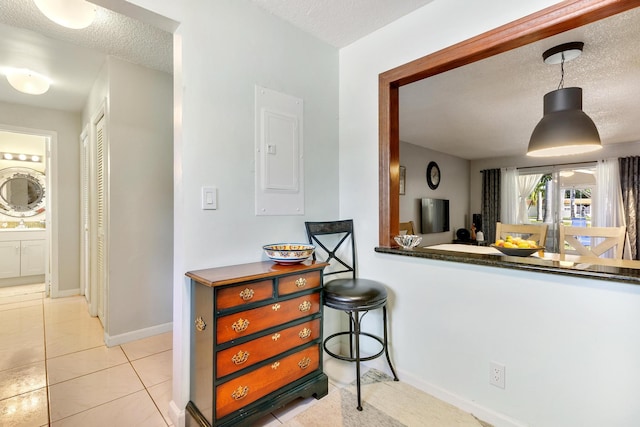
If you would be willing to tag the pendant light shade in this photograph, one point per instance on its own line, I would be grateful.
(564, 129)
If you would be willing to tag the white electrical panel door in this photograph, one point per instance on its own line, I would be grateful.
(279, 160)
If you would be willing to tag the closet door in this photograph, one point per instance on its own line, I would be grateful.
(85, 248)
(101, 218)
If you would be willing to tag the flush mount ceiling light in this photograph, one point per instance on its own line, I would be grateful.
(27, 81)
(564, 129)
(75, 14)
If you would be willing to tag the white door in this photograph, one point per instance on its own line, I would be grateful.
(9, 259)
(85, 252)
(101, 252)
(33, 256)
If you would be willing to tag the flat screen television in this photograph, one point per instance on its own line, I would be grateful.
(434, 215)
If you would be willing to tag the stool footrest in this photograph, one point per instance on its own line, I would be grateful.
(353, 359)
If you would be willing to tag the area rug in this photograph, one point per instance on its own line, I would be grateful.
(385, 403)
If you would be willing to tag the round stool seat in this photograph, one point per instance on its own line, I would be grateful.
(354, 294)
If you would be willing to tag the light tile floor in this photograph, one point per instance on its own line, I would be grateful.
(56, 371)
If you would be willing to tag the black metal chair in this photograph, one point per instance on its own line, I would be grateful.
(354, 296)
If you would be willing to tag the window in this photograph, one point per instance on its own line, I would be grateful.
(574, 186)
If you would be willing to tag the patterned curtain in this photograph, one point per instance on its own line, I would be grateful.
(490, 202)
(630, 185)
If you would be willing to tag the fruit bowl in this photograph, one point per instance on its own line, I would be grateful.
(517, 251)
(408, 241)
(288, 253)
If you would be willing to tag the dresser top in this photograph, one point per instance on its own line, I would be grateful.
(254, 271)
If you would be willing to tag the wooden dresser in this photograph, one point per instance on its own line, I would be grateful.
(256, 341)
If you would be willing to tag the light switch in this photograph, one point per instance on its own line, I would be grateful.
(209, 198)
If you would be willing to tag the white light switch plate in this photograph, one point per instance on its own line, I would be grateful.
(209, 198)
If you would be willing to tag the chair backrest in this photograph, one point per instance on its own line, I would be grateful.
(601, 239)
(407, 227)
(334, 244)
(537, 232)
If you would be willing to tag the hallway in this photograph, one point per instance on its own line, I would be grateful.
(55, 369)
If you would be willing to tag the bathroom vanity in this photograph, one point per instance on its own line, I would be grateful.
(256, 340)
(22, 256)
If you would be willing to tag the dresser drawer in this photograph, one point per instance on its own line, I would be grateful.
(247, 322)
(233, 296)
(298, 282)
(248, 388)
(244, 355)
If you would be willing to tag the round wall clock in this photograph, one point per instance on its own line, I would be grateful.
(433, 175)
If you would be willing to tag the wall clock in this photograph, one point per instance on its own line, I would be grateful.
(433, 175)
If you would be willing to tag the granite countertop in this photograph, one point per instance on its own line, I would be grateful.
(611, 270)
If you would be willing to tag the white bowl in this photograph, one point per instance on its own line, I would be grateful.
(408, 241)
(288, 253)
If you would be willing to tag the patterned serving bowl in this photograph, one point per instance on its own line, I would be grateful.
(408, 241)
(288, 253)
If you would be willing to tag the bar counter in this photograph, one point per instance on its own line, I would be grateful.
(569, 265)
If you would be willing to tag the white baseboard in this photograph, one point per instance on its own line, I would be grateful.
(176, 414)
(66, 293)
(111, 340)
(485, 414)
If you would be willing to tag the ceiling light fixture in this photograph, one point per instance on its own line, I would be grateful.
(75, 14)
(27, 81)
(564, 129)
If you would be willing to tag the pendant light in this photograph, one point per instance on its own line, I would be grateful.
(75, 14)
(564, 129)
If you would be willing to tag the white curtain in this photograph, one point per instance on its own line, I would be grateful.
(526, 184)
(607, 197)
(509, 195)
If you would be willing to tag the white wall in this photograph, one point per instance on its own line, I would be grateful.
(139, 104)
(67, 127)
(140, 136)
(449, 320)
(454, 186)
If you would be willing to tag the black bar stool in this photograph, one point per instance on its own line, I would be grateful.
(354, 296)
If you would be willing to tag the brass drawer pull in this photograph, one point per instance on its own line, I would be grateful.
(240, 325)
(304, 363)
(275, 337)
(304, 333)
(246, 294)
(275, 307)
(240, 357)
(301, 282)
(305, 306)
(240, 393)
(200, 325)
(275, 365)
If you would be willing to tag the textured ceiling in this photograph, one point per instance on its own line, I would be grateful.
(340, 22)
(73, 58)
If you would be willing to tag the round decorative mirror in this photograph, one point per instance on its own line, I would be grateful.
(21, 192)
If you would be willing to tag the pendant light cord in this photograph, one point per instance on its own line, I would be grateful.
(561, 84)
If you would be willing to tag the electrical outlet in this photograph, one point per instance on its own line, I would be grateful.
(496, 374)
